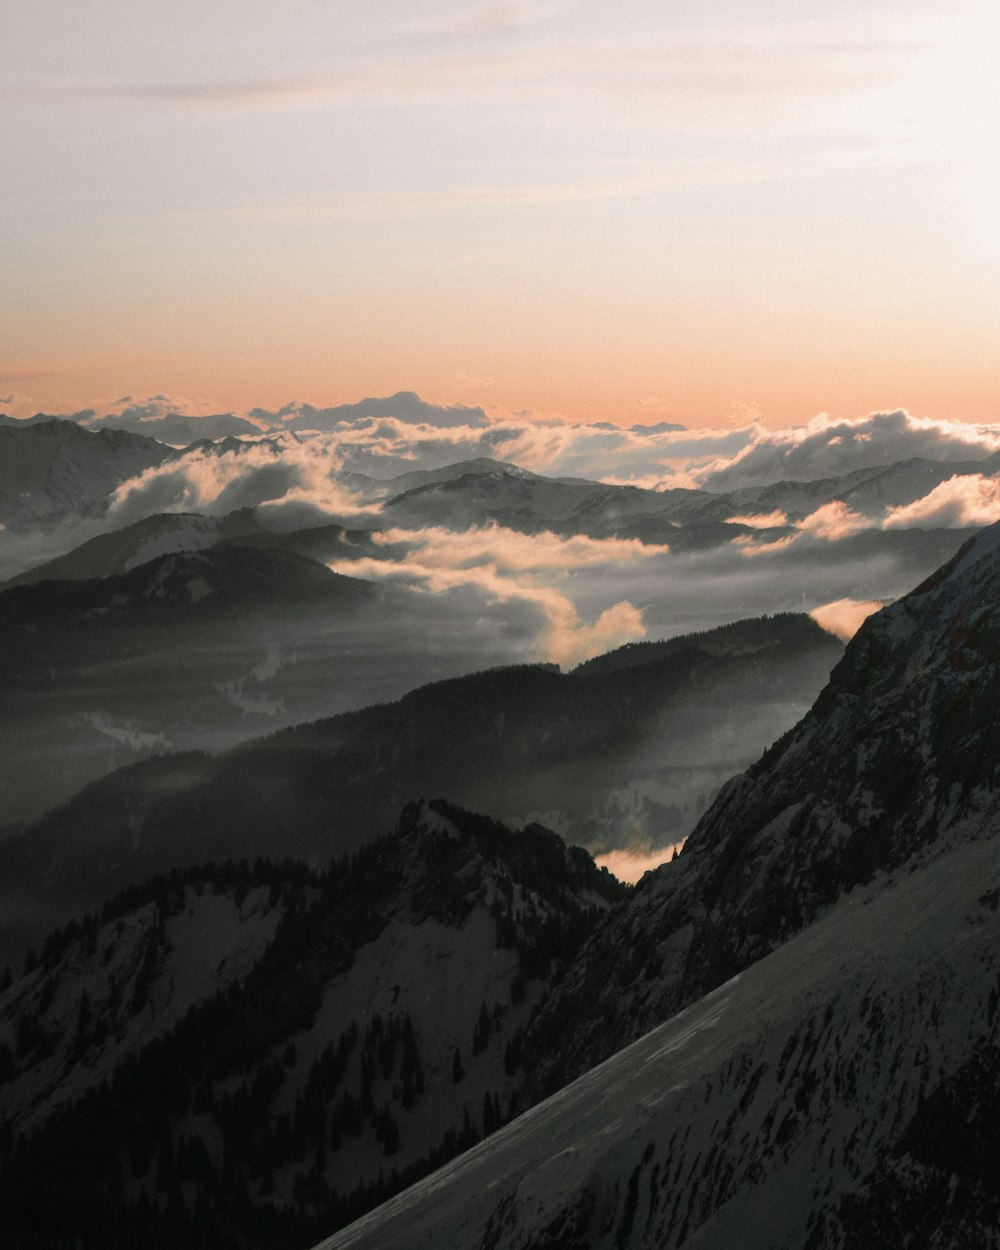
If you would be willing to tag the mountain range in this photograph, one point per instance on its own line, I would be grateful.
(625, 750)
(277, 1045)
(292, 995)
(822, 957)
(54, 468)
(788, 1034)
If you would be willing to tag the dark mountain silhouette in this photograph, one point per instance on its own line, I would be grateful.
(617, 752)
(818, 971)
(179, 429)
(897, 760)
(201, 649)
(241, 1055)
(97, 671)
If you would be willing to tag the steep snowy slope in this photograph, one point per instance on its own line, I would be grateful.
(897, 759)
(842, 1092)
(103, 990)
(829, 936)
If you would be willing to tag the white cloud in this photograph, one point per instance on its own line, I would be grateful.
(507, 565)
(153, 407)
(760, 520)
(512, 552)
(208, 481)
(832, 522)
(844, 617)
(829, 448)
(960, 502)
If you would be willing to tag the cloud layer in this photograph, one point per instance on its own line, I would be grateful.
(828, 448)
(833, 549)
(961, 501)
(509, 566)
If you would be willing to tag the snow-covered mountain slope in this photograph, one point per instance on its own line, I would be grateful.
(829, 937)
(320, 1036)
(840, 1092)
(626, 750)
(482, 493)
(371, 489)
(898, 759)
(103, 990)
(163, 533)
(57, 468)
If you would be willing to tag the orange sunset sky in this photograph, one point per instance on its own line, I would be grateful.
(638, 212)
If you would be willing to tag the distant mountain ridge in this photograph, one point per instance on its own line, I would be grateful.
(481, 492)
(610, 756)
(182, 647)
(55, 467)
(163, 533)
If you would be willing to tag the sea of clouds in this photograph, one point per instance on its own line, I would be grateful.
(301, 465)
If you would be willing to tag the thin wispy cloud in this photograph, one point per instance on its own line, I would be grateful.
(679, 70)
(501, 16)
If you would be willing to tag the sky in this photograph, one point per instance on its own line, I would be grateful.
(694, 212)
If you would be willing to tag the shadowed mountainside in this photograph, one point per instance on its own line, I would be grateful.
(615, 753)
(818, 971)
(240, 1055)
